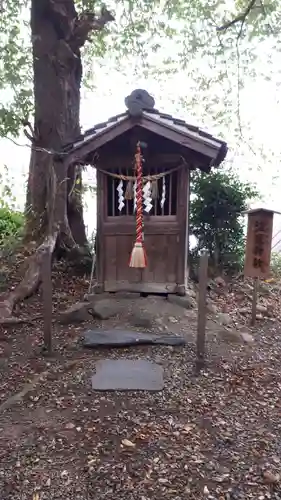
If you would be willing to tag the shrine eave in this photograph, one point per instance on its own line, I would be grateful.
(176, 130)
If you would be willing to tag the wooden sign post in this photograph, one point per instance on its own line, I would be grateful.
(258, 250)
(202, 310)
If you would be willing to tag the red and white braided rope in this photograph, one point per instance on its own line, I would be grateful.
(139, 207)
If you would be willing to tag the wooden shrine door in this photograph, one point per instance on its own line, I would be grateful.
(165, 235)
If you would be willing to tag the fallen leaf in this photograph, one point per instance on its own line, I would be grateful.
(128, 443)
(206, 490)
(270, 478)
(70, 425)
(187, 428)
(221, 479)
(163, 480)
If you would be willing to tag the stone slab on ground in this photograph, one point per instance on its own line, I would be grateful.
(229, 335)
(105, 308)
(77, 313)
(142, 319)
(127, 375)
(119, 338)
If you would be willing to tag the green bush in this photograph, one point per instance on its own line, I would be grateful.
(218, 200)
(275, 264)
(11, 219)
(11, 227)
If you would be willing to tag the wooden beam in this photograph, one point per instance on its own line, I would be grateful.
(101, 201)
(123, 225)
(141, 287)
(255, 301)
(108, 162)
(182, 217)
(202, 311)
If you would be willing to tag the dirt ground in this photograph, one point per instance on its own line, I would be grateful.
(216, 435)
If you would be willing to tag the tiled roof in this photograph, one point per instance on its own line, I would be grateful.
(180, 125)
(176, 124)
(94, 131)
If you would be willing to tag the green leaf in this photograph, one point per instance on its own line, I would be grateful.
(139, 37)
(218, 200)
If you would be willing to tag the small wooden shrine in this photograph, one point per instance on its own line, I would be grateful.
(143, 159)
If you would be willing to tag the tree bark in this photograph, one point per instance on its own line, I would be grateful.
(58, 34)
(57, 79)
(54, 212)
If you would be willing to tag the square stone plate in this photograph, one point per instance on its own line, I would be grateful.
(127, 375)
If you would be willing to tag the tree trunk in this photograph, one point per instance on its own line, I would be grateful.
(54, 197)
(57, 78)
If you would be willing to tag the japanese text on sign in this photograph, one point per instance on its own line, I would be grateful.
(258, 249)
(260, 241)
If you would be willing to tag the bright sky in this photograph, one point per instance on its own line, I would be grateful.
(260, 109)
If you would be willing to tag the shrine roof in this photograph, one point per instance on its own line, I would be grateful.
(163, 124)
(260, 210)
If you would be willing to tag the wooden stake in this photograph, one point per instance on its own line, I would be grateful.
(202, 310)
(47, 301)
(254, 301)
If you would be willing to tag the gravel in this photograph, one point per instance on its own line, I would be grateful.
(216, 435)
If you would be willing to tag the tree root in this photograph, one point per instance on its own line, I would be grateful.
(31, 280)
(12, 321)
(30, 386)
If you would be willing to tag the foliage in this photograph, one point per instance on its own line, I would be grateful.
(11, 230)
(11, 224)
(11, 219)
(217, 202)
(275, 264)
(139, 36)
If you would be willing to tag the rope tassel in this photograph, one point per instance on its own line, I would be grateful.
(138, 256)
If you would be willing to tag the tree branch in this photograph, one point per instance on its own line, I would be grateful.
(31, 133)
(239, 19)
(86, 23)
(74, 29)
(63, 16)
